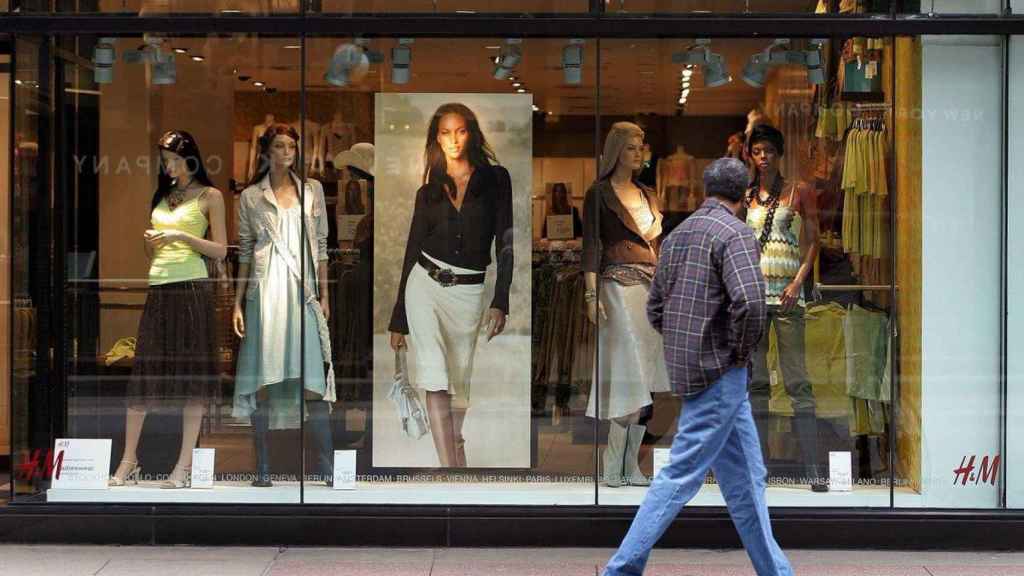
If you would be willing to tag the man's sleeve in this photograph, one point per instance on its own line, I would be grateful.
(660, 288)
(741, 275)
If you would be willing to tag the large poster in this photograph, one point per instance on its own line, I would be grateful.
(462, 163)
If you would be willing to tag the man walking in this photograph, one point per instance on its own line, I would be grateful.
(707, 300)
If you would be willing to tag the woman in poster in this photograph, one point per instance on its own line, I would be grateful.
(463, 207)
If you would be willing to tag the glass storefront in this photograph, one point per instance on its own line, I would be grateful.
(252, 268)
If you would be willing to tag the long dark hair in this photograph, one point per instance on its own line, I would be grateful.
(352, 198)
(560, 203)
(436, 164)
(273, 131)
(183, 144)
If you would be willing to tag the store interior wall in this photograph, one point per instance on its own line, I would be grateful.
(1015, 282)
(132, 117)
(5, 259)
(961, 262)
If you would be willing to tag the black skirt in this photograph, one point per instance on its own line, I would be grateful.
(175, 353)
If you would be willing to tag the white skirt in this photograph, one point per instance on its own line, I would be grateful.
(444, 324)
(631, 359)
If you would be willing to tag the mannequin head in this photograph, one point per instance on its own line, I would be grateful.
(558, 202)
(279, 150)
(454, 136)
(181, 164)
(765, 149)
(623, 151)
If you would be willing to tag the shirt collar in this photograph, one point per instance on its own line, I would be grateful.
(713, 203)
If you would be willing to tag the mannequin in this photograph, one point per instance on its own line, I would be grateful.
(309, 135)
(788, 252)
(175, 359)
(676, 181)
(254, 143)
(282, 220)
(621, 234)
(335, 137)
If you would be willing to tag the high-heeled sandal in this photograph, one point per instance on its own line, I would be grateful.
(172, 482)
(131, 476)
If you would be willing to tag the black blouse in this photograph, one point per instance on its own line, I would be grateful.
(462, 237)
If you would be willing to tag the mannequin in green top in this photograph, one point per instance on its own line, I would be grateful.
(174, 359)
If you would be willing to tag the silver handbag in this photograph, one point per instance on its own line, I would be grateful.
(407, 401)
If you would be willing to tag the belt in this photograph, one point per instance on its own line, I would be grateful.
(445, 277)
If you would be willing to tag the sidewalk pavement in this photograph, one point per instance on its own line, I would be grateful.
(238, 561)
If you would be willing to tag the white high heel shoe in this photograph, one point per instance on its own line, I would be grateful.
(132, 476)
(178, 478)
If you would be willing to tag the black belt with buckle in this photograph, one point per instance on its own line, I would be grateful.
(445, 277)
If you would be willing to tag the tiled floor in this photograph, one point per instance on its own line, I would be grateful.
(194, 561)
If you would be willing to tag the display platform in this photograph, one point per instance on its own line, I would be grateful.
(468, 494)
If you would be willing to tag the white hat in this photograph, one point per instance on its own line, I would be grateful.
(360, 156)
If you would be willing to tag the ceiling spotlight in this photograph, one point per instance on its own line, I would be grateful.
(198, 58)
(401, 60)
(700, 54)
(349, 63)
(572, 61)
(756, 70)
(517, 84)
(521, 90)
(509, 57)
(258, 84)
(536, 108)
(103, 57)
(293, 47)
(181, 50)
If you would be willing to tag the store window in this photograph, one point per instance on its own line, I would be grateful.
(820, 383)
(460, 264)
(432, 196)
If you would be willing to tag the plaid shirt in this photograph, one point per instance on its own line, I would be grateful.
(707, 298)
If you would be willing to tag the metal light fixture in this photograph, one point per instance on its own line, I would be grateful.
(401, 61)
(756, 70)
(572, 61)
(506, 61)
(349, 63)
(713, 64)
(164, 69)
(103, 57)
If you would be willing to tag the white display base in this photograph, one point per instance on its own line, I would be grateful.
(483, 494)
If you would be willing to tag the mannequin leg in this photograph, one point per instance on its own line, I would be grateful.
(789, 329)
(320, 428)
(260, 425)
(458, 419)
(760, 391)
(191, 420)
(129, 466)
(439, 409)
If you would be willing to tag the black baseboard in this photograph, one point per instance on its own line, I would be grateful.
(297, 525)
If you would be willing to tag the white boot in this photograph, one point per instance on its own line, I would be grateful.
(633, 475)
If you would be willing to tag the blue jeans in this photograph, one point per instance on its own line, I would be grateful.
(716, 431)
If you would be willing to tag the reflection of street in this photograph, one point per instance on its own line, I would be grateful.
(497, 428)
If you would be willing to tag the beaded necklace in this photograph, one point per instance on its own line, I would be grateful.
(771, 204)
